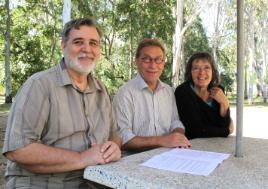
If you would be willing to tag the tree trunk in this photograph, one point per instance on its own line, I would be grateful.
(216, 34)
(264, 58)
(177, 44)
(251, 49)
(53, 48)
(130, 51)
(130, 61)
(246, 85)
(8, 97)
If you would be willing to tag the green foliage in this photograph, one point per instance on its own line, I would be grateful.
(32, 60)
(226, 82)
(124, 24)
(166, 75)
(195, 40)
(2, 44)
(145, 19)
(227, 61)
(113, 75)
(32, 39)
(2, 90)
(36, 27)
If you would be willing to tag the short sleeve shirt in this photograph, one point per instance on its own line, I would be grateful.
(49, 109)
(141, 112)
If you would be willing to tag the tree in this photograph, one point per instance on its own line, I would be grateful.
(8, 96)
(34, 39)
(261, 41)
(221, 24)
(195, 40)
(251, 49)
(222, 40)
(264, 53)
(181, 27)
(256, 12)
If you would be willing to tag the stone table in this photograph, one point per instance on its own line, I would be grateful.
(248, 172)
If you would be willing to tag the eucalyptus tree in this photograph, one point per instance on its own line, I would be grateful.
(223, 24)
(256, 14)
(264, 54)
(223, 39)
(261, 51)
(8, 96)
(2, 43)
(251, 50)
(183, 22)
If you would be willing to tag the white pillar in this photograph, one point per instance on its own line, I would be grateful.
(240, 78)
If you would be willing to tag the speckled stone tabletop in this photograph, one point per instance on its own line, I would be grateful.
(247, 172)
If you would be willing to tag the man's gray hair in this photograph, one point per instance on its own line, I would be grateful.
(75, 24)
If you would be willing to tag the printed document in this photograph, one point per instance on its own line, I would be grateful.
(187, 161)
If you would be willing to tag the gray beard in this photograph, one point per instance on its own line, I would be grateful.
(74, 65)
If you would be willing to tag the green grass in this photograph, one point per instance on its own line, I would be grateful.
(4, 108)
(257, 101)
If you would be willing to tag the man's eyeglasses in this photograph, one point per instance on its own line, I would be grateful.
(148, 60)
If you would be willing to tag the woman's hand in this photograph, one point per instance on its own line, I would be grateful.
(217, 94)
(231, 127)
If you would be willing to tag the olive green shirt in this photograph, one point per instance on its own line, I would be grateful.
(49, 109)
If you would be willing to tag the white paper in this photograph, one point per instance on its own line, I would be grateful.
(187, 161)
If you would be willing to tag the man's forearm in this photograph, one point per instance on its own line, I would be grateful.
(139, 143)
(174, 139)
(40, 158)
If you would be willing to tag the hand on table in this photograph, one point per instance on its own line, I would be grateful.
(175, 139)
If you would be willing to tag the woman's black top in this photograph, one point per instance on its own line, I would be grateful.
(199, 118)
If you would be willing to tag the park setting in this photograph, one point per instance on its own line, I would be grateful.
(234, 33)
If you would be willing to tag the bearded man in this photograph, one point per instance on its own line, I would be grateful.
(62, 120)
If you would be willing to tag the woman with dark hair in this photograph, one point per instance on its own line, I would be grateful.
(202, 105)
